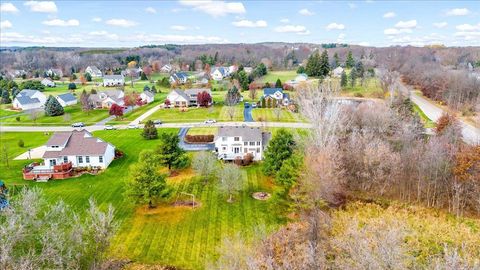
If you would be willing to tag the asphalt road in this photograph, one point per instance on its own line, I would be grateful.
(193, 147)
(247, 114)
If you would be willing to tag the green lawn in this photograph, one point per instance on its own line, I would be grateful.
(427, 123)
(193, 114)
(72, 114)
(283, 75)
(268, 115)
(177, 236)
(370, 89)
(6, 111)
(130, 116)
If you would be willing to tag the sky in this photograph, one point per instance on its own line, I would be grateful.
(135, 23)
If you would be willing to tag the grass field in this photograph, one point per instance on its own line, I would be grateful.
(170, 235)
(370, 89)
(219, 113)
(283, 75)
(425, 120)
(268, 115)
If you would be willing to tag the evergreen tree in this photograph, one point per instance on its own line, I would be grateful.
(72, 86)
(143, 76)
(5, 97)
(243, 79)
(88, 77)
(169, 153)
(324, 66)
(15, 92)
(278, 83)
(300, 70)
(360, 69)
(149, 131)
(154, 89)
(336, 60)
(278, 150)
(344, 79)
(353, 77)
(350, 62)
(53, 107)
(312, 67)
(232, 97)
(288, 174)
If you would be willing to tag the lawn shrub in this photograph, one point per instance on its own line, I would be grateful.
(199, 138)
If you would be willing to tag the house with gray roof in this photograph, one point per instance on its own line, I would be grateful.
(66, 99)
(147, 97)
(28, 99)
(236, 142)
(105, 99)
(93, 71)
(185, 98)
(47, 82)
(113, 80)
(219, 73)
(275, 97)
(178, 78)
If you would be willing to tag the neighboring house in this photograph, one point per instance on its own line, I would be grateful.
(166, 68)
(66, 99)
(275, 96)
(232, 69)
(132, 71)
(68, 150)
(301, 78)
(17, 73)
(47, 82)
(105, 99)
(236, 142)
(93, 71)
(113, 80)
(178, 77)
(337, 72)
(219, 73)
(185, 98)
(147, 97)
(29, 99)
(248, 70)
(54, 72)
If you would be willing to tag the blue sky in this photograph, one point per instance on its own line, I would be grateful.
(134, 23)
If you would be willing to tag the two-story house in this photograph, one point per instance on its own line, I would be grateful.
(185, 98)
(178, 78)
(219, 73)
(105, 99)
(113, 80)
(93, 71)
(236, 142)
(275, 97)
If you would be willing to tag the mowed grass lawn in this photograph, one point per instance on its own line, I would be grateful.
(283, 75)
(179, 236)
(268, 115)
(193, 114)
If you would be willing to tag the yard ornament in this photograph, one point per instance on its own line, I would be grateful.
(3, 196)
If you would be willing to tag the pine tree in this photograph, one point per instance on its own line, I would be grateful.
(350, 62)
(324, 66)
(5, 97)
(169, 153)
(149, 131)
(353, 77)
(313, 65)
(279, 149)
(53, 107)
(344, 79)
(360, 69)
(336, 60)
(278, 83)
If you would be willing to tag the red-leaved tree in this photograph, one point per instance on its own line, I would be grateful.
(131, 99)
(116, 110)
(204, 99)
(167, 102)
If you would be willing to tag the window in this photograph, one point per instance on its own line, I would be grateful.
(245, 143)
(258, 150)
(252, 143)
(224, 139)
(100, 159)
(224, 148)
(245, 150)
(236, 150)
(53, 162)
(87, 159)
(236, 139)
(65, 159)
(80, 159)
(258, 143)
(54, 146)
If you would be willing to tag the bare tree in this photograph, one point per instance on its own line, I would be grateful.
(278, 112)
(5, 157)
(205, 164)
(231, 110)
(34, 115)
(252, 92)
(231, 180)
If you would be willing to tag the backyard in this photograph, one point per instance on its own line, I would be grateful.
(193, 114)
(270, 115)
(283, 75)
(178, 236)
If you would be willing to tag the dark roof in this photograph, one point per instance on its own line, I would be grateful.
(78, 143)
(271, 91)
(67, 97)
(247, 133)
(25, 97)
(180, 75)
(59, 138)
(149, 93)
(113, 77)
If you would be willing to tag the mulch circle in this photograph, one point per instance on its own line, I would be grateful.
(187, 203)
(262, 196)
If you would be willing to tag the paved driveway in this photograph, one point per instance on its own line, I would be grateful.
(193, 147)
(247, 114)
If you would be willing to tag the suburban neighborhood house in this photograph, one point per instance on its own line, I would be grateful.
(185, 98)
(29, 99)
(236, 142)
(113, 80)
(66, 99)
(93, 71)
(105, 99)
(337, 72)
(68, 150)
(275, 97)
(47, 82)
(132, 72)
(147, 97)
(219, 73)
(54, 72)
(178, 77)
(166, 68)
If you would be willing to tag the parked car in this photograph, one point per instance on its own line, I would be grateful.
(79, 124)
(132, 126)
(246, 105)
(210, 121)
(157, 122)
(254, 105)
(109, 127)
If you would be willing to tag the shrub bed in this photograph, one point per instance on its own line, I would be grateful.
(199, 138)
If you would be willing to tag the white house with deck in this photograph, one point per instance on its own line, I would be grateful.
(238, 141)
(47, 82)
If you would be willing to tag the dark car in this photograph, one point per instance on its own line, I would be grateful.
(79, 124)
(246, 105)
(157, 122)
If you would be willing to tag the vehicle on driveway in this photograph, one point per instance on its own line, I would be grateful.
(157, 122)
(254, 105)
(109, 127)
(210, 121)
(246, 105)
(79, 124)
(132, 126)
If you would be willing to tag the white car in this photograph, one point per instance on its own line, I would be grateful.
(210, 121)
(254, 105)
(132, 126)
(109, 127)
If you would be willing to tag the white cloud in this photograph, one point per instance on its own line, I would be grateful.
(121, 22)
(5, 24)
(250, 24)
(395, 31)
(178, 27)
(390, 14)
(468, 35)
(8, 8)
(341, 38)
(42, 6)
(59, 22)
(467, 27)
(285, 20)
(298, 29)
(440, 24)
(305, 12)
(406, 24)
(14, 37)
(458, 12)
(150, 10)
(97, 19)
(215, 8)
(156, 38)
(364, 43)
(104, 34)
(335, 26)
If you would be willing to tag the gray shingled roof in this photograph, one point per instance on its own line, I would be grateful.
(77, 144)
(113, 77)
(67, 97)
(196, 91)
(181, 93)
(25, 97)
(247, 133)
(149, 94)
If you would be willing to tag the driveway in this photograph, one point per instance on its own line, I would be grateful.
(35, 153)
(247, 114)
(146, 115)
(193, 147)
